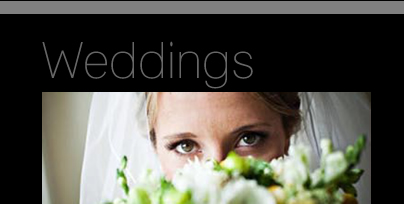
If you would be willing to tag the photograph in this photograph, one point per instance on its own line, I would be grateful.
(206, 147)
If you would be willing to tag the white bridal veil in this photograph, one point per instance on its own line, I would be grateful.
(118, 126)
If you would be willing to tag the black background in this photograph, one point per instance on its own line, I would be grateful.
(288, 51)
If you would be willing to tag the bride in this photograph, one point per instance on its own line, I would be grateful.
(163, 130)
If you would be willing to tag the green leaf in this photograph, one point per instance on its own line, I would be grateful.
(353, 153)
(361, 142)
(354, 175)
(233, 163)
(119, 173)
(175, 197)
(123, 183)
(138, 196)
(350, 154)
(124, 162)
(216, 165)
(350, 189)
(260, 171)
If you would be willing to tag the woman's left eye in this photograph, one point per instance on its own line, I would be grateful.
(186, 147)
(248, 140)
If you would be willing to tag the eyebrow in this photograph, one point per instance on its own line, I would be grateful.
(247, 127)
(188, 135)
(184, 135)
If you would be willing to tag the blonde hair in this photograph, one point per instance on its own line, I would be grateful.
(287, 104)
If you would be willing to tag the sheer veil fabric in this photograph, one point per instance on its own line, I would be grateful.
(118, 126)
(342, 117)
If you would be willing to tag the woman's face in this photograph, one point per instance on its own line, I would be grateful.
(210, 125)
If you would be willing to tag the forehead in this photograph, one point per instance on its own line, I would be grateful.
(187, 111)
(202, 99)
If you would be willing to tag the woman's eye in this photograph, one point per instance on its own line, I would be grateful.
(249, 140)
(186, 147)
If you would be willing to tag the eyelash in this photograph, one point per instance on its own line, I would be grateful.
(173, 146)
(261, 136)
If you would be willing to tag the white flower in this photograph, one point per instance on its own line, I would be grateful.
(294, 169)
(277, 166)
(302, 153)
(326, 146)
(241, 191)
(335, 165)
(200, 178)
(296, 174)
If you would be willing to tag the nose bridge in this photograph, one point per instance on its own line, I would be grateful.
(216, 150)
(216, 142)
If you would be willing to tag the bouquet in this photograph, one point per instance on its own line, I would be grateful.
(238, 180)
